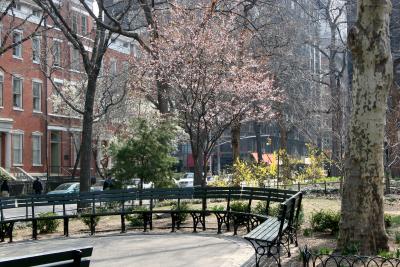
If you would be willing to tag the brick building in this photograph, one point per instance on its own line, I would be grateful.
(36, 138)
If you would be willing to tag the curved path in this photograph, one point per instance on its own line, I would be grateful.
(164, 250)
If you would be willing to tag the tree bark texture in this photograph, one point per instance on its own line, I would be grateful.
(235, 134)
(87, 132)
(362, 221)
(162, 95)
(197, 144)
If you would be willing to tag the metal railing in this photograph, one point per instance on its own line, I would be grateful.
(21, 174)
(6, 173)
(311, 259)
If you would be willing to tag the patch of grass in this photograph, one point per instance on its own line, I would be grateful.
(325, 251)
(396, 220)
(307, 232)
(218, 208)
(389, 254)
(351, 249)
(388, 220)
(397, 237)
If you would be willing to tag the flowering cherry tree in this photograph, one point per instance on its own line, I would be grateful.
(211, 81)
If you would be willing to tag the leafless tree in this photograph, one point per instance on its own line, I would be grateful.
(10, 21)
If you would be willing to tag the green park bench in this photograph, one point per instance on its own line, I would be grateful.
(276, 232)
(91, 201)
(72, 258)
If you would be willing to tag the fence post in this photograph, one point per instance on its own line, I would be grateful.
(298, 186)
(325, 188)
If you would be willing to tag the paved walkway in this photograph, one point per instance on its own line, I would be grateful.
(166, 250)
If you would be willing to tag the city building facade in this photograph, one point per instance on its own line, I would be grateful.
(36, 137)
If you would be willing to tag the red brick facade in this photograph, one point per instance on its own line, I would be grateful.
(55, 132)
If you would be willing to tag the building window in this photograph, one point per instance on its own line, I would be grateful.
(56, 51)
(17, 148)
(36, 92)
(1, 89)
(17, 92)
(36, 49)
(84, 25)
(36, 149)
(36, 13)
(75, 62)
(74, 23)
(17, 38)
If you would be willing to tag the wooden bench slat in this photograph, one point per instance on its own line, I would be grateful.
(46, 258)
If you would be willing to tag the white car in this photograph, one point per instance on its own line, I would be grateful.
(186, 180)
(136, 184)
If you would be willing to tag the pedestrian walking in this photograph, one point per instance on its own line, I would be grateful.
(108, 184)
(5, 189)
(37, 186)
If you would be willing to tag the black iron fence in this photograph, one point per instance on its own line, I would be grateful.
(310, 259)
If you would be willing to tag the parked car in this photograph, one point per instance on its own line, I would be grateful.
(67, 188)
(70, 188)
(186, 180)
(136, 182)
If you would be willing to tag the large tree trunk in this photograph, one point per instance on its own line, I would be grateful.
(87, 133)
(198, 168)
(235, 134)
(162, 95)
(362, 222)
(197, 144)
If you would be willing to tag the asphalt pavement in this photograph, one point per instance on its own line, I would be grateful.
(158, 250)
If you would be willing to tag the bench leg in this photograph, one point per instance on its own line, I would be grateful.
(195, 221)
(219, 222)
(77, 258)
(2, 232)
(10, 232)
(123, 228)
(151, 221)
(204, 221)
(34, 229)
(92, 226)
(66, 226)
(174, 221)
